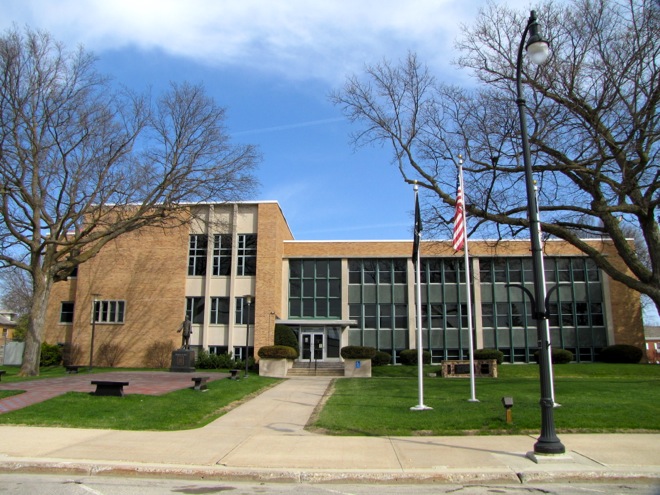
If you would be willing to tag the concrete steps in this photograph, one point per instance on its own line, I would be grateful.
(320, 369)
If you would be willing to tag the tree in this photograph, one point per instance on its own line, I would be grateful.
(82, 164)
(17, 290)
(594, 128)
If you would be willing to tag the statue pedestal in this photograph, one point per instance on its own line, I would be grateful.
(183, 360)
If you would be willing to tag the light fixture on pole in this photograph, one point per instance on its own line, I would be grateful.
(248, 300)
(538, 50)
(94, 318)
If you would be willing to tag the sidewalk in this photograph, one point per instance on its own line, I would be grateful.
(264, 439)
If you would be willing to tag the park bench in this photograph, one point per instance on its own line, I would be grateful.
(71, 368)
(200, 382)
(2, 372)
(109, 388)
(234, 374)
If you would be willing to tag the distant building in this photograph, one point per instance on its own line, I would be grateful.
(7, 324)
(652, 337)
(331, 293)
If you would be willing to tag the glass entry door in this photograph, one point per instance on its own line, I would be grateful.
(312, 346)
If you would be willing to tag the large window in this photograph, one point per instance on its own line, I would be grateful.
(247, 254)
(109, 311)
(66, 312)
(574, 303)
(244, 311)
(195, 309)
(222, 254)
(315, 288)
(219, 311)
(197, 255)
(377, 300)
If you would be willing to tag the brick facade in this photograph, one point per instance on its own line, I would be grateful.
(148, 271)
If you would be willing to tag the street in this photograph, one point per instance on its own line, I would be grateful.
(31, 484)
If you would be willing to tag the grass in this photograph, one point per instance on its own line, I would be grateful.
(179, 410)
(593, 398)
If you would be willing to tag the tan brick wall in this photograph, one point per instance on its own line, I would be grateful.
(271, 232)
(146, 269)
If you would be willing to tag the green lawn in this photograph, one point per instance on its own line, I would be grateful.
(593, 398)
(179, 410)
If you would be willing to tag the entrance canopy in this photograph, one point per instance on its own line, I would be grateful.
(318, 323)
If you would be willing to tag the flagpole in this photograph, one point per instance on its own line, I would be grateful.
(468, 280)
(418, 295)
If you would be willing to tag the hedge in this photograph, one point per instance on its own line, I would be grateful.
(489, 354)
(409, 357)
(278, 352)
(381, 359)
(358, 352)
(559, 356)
(621, 353)
(284, 335)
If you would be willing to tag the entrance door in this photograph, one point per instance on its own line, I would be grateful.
(312, 347)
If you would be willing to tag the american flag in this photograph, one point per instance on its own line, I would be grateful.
(458, 239)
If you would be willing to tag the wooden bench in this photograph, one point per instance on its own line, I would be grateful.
(234, 374)
(109, 388)
(200, 382)
(70, 368)
(2, 372)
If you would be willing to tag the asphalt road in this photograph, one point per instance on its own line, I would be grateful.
(30, 484)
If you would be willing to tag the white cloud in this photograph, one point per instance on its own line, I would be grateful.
(300, 39)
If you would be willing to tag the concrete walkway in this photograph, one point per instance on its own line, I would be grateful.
(264, 439)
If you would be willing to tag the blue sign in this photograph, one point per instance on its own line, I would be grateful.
(357, 364)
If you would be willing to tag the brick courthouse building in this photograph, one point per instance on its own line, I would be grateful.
(332, 293)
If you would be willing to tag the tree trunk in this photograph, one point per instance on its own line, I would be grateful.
(34, 336)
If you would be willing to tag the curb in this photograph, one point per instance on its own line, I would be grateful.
(219, 473)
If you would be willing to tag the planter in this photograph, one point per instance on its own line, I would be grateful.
(357, 368)
(275, 368)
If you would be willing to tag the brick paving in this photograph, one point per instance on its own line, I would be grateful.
(146, 382)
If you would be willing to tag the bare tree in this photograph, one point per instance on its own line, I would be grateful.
(594, 128)
(16, 290)
(82, 164)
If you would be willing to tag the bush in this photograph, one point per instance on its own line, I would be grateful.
(278, 352)
(358, 352)
(621, 353)
(381, 359)
(51, 354)
(72, 354)
(206, 361)
(159, 354)
(559, 356)
(409, 357)
(285, 336)
(110, 353)
(489, 354)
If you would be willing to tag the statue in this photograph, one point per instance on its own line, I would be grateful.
(186, 328)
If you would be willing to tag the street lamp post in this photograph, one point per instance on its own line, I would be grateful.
(248, 300)
(548, 442)
(91, 345)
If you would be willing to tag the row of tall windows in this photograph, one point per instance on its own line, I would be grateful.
(315, 288)
(575, 305)
(103, 311)
(219, 313)
(378, 301)
(246, 263)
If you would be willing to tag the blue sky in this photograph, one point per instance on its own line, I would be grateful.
(272, 64)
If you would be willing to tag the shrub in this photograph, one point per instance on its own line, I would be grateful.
(621, 353)
(72, 354)
(51, 354)
(381, 359)
(278, 352)
(559, 356)
(489, 354)
(110, 353)
(207, 361)
(358, 352)
(409, 357)
(159, 354)
(285, 336)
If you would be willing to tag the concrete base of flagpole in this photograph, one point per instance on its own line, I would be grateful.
(421, 407)
(473, 400)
